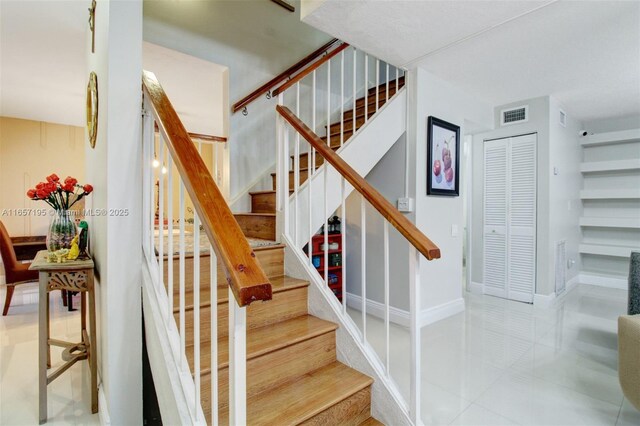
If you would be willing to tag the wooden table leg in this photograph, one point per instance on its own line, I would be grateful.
(83, 311)
(48, 300)
(93, 348)
(43, 347)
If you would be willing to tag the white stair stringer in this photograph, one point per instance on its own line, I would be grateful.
(362, 152)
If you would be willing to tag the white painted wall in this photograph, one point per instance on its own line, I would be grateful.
(50, 148)
(565, 179)
(256, 40)
(114, 169)
(388, 178)
(195, 87)
(441, 280)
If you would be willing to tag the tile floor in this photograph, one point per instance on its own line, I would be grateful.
(508, 363)
(68, 395)
(498, 363)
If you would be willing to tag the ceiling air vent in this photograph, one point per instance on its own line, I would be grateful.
(514, 115)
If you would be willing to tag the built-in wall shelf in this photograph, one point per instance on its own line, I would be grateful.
(610, 222)
(610, 194)
(607, 250)
(610, 166)
(622, 136)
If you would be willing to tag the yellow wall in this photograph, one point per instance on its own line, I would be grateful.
(29, 152)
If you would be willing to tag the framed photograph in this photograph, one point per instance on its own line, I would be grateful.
(443, 158)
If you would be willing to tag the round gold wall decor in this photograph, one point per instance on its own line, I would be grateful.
(92, 108)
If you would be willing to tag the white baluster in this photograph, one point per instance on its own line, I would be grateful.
(355, 80)
(285, 177)
(343, 244)
(147, 179)
(342, 99)
(397, 87)
(181, 272)
(161, 215)
(196, 309)
(415, 301)
(329, 102)
(280, 168)
(213, 279)
(366, 87)
(363, 261)
(312, 154)
(326, 225)
(237, 363)
(170, 251)
(377, 85)
(386, 295)
(296, 171)
(386, 77)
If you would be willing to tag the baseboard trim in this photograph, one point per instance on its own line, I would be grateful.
(396, 315)
(440, 312)
(544, 300)
(103, 412)
(603, 281)
(476, 288)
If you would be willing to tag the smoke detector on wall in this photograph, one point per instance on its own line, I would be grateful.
(514, 115)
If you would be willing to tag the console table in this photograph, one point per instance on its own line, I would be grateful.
(70, 276)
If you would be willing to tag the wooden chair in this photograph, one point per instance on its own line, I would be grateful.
(15, 272)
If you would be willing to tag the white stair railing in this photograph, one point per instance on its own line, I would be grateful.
(171, 155)
(329, 180)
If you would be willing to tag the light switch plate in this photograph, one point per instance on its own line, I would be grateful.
(405, 204)
(454, 230)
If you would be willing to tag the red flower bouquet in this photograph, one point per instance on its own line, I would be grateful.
(60, 195)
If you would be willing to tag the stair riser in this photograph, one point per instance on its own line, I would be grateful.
(383, 86)
(304, 161)
(335, 139)
(271, 261)
(351, 411)
(303, 179)
(257, 226)
(263, 203)
(284, 305)
(348, 125)
(275, 368)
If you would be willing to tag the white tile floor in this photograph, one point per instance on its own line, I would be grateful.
(508, 363)
(68, 395)
(498, 363)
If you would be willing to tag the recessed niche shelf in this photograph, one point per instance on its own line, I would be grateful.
(610, 194)
(610, 222)
(607, 250)
(610, 166)
(622, 136)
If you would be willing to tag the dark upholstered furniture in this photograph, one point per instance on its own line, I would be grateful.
(634, 284)
(15, 272)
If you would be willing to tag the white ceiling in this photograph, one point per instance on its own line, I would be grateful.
(43, 61)
(584, 53)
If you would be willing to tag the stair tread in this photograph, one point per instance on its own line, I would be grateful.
(268, 191)
(278, 284)
(291, 171)
(371, 422)
(263, 340)
(298, 401)
(255, 214)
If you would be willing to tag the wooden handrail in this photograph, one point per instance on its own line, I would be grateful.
(209, 138)
(281, 77)
(310, 69)
(423, 244)
(244, 275)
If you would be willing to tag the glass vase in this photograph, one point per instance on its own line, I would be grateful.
(62, 230)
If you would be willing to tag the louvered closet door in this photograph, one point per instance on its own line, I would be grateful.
(522, 219)
(495, 217)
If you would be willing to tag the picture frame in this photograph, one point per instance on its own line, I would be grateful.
(443, 158)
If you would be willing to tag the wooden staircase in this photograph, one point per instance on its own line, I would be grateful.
(293, 376)
(263, 202)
